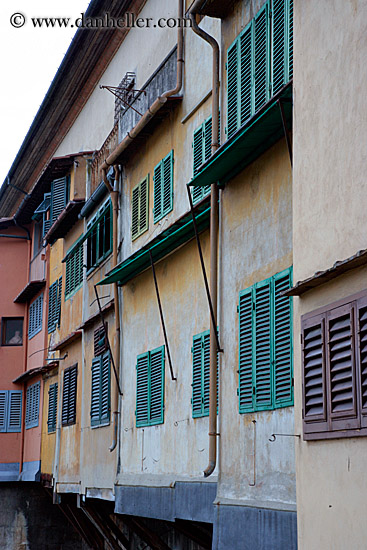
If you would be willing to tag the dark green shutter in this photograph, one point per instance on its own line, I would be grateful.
(246, 76)
(58, 197)
(69, 394)
(278, 45)
(263, 350)
(142, 389)
(206, 372)
(3, 409)
(156, 386)
(95, 391)
(261, 58)
(52, 408)
(135, 212)
(52, 306)
(197, 147)
(290, 40)
(72, 395)
(197, 390)
(167, 169)
(246, 352)
(158, 203)
(74, 271)
(283, 372)
(105, 388)
(232, 89)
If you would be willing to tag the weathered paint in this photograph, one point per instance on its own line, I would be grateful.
(48, 440)
(329, 225)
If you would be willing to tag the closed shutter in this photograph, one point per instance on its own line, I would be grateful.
(261, 58)
(283, 371)
(290, 40)
(246, 74)
(263, 355)
(197, 146)
(32, 405)
(279, 45)
(35, 317)
(95, 393)
(52, 408)
(74, 271)
(46, 226)
(58, 197)
(72, 396)
(140, 211)
(3, 410)
(142, 389)
(314, 377)
(69, 394)
(158, 202)
(58, 302)
(167, 183)
(14, 416)
(206, 372)
(362, 347)
(341, 368)
(197, 389)
(246, 352)
(232, 89)
(156, 385)
(105, 388)
(135, 212)
(52, 306)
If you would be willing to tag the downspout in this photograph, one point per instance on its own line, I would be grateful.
(112, 161)
(214, 226)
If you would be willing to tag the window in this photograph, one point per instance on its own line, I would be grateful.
(334, 353)
(202, 150)
(140, 208)
(10, 411)
(54, 305)
(52, 408)
(265, 345)
(74, 270)
(68, 415)
(100, 342)
(35, 317)
(163, 187)
(32, 405)
(200, 374)
(37, 239)
(12, 331)
(99, 236)
(259, 62)
(42, 214)
(100, 398)
(150, 388)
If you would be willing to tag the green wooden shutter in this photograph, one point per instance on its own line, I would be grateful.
(58, 302)
(290, 40)
(197, 390)
(135, 212)
(72, 395)
(206, 371)
(3, 409)
(58, 198)
(52, 408)
(158, 203)
(156, 380)
(246, 351)
(283, 355)
(278, 45)
(142, 389)
(95, 391)
(68, 415)
(232, 89)
(140, 208)
(14, 416)
(52, 306)
(197, 146)
(261, 58)
(105, 388)
(167, 170)
(246, 74)
(263, 347)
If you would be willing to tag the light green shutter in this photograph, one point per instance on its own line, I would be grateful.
(197, 390)
(156, 380)
(142, 389)
(263, 349)
(135, 212)
(283, 371)
(246, 351)
(140, 208)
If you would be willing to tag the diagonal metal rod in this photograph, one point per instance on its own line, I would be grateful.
(110, 89)
(161, 314)
(203, 268)
(107, 340)
(286, 131)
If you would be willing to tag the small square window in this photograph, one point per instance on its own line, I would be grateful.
(12, 331)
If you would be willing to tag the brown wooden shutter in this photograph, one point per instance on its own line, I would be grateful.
(314, 383)
(362, 356)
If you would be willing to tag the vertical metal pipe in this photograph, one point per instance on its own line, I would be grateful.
(214, 227)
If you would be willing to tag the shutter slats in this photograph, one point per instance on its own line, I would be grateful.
(139, 207)
(314, 371)
(52, 408)
(261, 69)
(158, 203)
(232, 89)
(245, 352)
(142, 390)
(135, 212)
(58, 197)
(32, 405)
(362, 317)
(262, 345)
(105, 388)
(282, 341)
(68, 415)
(279, 44)
(100, 342)
(14, 421)
(3, 409)
(197, 400)
(95, 392)
(156, 385)
(246, 72)
(35, 317)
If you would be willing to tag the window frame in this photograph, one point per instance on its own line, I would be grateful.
(249, 352)
(159, 171)
(145, 392)
(329, 424)
(4, 321)
(95, 225)
(32, 405)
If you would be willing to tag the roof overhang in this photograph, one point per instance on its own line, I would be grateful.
(34, 372)
(215, 8)
(29, 291)
(259, 133)
(65, 221)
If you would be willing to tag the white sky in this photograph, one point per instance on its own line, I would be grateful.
(30, 58)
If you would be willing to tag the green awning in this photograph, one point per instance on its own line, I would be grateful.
(178, 234)
(258, 134)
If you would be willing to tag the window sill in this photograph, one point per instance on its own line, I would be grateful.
(101, 425)
(74, 292)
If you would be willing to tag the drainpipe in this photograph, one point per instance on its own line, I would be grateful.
(112, 161)
(214, 224)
